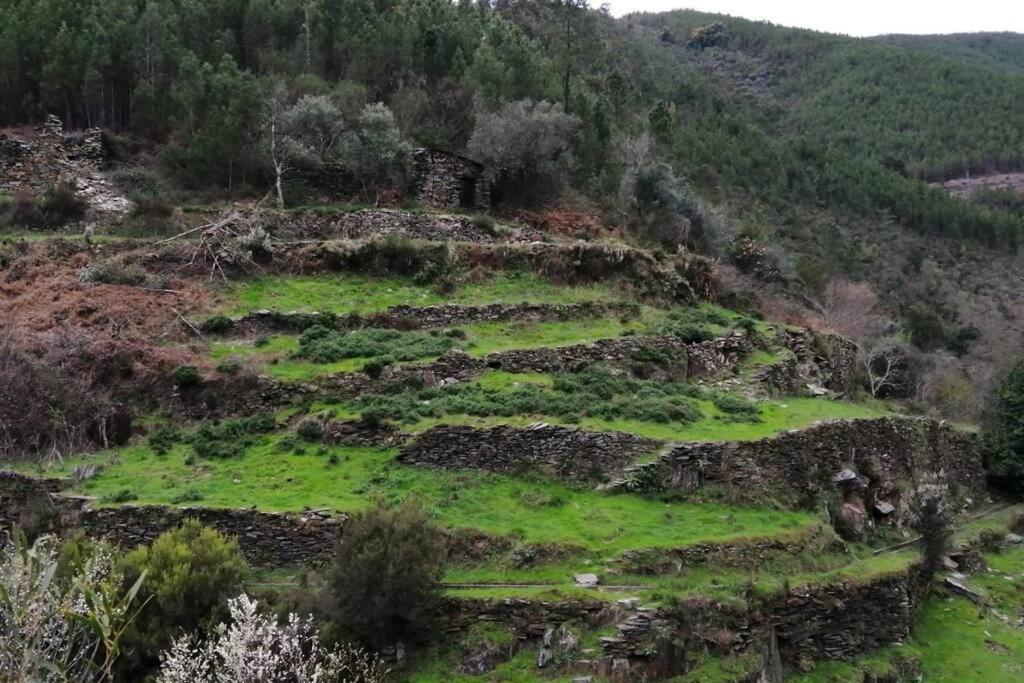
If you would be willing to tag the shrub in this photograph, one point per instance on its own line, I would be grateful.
(375, 368)
(45, 404)
(229, 438)
(122, 496)
(63, 612)
(113, 272)
(320, 344)
(62, 205)
(187, 376)
(485, 224)
(190, 572)
(229, 367)
(217, 324)
(384, 585)
(287, 653)
(189, 496)
(163, 439)
(690, 333)
(739, 409)
(310, 430)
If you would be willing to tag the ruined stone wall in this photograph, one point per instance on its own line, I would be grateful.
(824, 359)
(442, 180)
(565, 453)
(35, 166)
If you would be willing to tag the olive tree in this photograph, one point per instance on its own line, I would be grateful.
(526, 144)
(303, 134)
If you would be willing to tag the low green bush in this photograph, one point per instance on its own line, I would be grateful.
(187, 376)
(229, 438)
(595, 392)
(163, 439)
(321, 344)
(738, 409)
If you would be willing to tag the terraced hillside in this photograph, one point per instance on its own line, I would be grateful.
(631, 479)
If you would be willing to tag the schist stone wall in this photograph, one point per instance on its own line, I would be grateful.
(266, 539)
(563, 452)
(875, 464)
(34, 166)
(406, 317)
(786, 631)
(448, 181)
(370, 223)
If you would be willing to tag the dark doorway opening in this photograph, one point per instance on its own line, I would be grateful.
(467, 192)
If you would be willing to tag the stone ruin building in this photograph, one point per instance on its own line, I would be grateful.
(33, 164)
(449, 181)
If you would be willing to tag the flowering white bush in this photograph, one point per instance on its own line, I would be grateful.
(256, 649)
(59, 628)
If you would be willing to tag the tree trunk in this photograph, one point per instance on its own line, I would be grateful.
(279, 171)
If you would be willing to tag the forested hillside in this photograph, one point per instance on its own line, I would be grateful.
(995, 50)
(682, 127)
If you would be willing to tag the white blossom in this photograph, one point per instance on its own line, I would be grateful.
(256, 649)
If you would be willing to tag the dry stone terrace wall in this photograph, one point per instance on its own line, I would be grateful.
(247, 393)
(402, 316)
(563, 452)
(372, 223)
(266, 539)
(700, 358)
(680, 278)
(787, 630)
(887, 454)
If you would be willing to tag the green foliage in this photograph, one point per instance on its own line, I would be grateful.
(187, 376)
(229, 438)
(1004, 440)
(320, 344)
(737, 408)
(527, 144)
(594, 392)
(64, 610)
(384, 584)
(162, 439)
(190, 572)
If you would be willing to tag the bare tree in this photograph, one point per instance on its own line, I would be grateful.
(851, 309)
(886, 364)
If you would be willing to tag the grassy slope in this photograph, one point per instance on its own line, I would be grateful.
(350, 293)
(777, 415)
(538, 510)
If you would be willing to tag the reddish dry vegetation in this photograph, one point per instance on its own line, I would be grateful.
(568, 222)
(41, 292)
(77, 358)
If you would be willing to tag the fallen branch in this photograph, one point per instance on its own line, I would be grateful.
(190, 325)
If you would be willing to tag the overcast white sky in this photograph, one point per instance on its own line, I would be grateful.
(859, 17)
